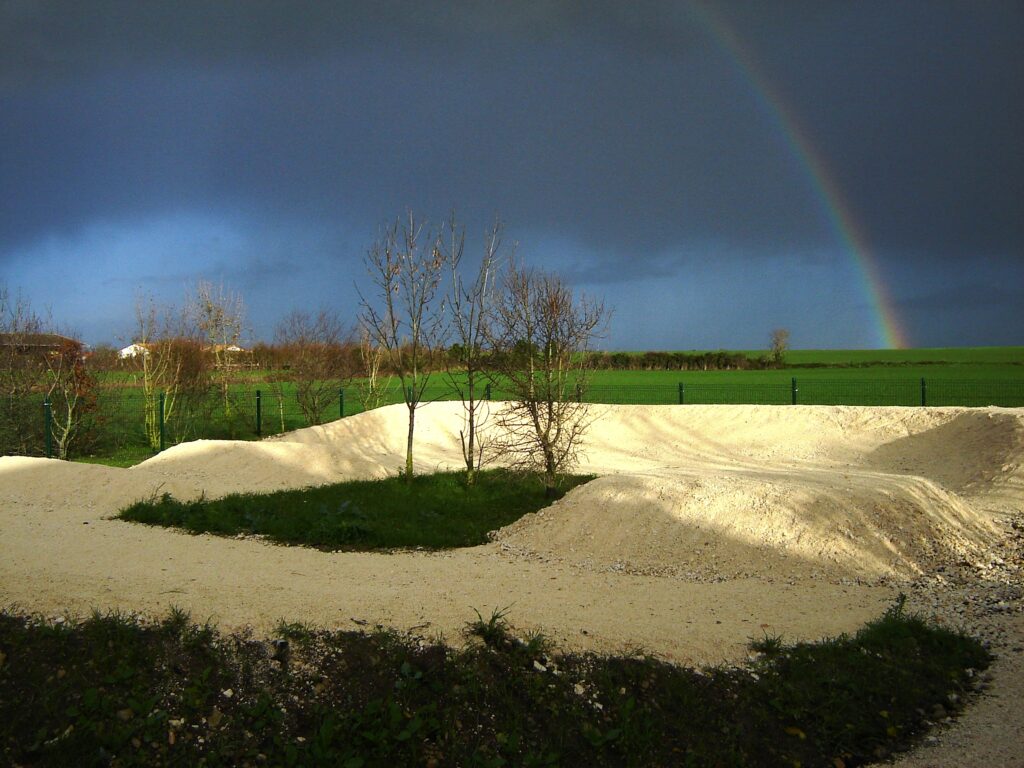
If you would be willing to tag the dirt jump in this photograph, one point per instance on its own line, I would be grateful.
(706, 526)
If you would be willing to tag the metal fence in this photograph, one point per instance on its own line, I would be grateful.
(125, 425)
(903, 392)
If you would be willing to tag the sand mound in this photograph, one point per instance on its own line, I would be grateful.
(706, 491)
(731, 491)
(730, 525)
(754, 499)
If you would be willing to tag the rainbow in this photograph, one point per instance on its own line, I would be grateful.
(891, 333)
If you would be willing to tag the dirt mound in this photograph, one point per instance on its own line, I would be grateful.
(732, 491)
(736, 525)
(702, 491)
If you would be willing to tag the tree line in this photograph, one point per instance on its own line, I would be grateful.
(424, 312)
(36, 364)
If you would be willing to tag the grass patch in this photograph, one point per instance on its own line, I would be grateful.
(114, 690)
(435, 511)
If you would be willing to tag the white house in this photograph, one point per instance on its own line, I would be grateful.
(132, 351)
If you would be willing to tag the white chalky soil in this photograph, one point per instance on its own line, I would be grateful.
(707, 526)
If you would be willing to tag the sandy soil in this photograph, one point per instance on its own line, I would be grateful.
(707, 526)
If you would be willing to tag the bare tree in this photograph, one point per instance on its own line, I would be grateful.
(71, 392)
(405, 266)
(21, 375)
(220, 316)
(372, 388)
(317, 350)
(541, 335)
(779, 344)
(470, 305)
(171, 362)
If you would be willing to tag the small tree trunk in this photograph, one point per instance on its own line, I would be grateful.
(550, 486)
(550, 474)
(408, 445)
(469, 446)
(467, 454)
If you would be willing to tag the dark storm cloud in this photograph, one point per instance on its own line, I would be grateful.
(67, 39)
(608, 126)
(609, 119)
(620, 136)
(920, 116)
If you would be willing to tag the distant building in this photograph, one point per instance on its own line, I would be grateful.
(232, 348)
(230, 356)
(33, 343)
(132, 351)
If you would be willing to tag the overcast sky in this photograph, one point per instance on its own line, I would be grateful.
(661, 154)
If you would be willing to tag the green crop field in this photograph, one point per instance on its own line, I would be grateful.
(976, 376)
(951, 355)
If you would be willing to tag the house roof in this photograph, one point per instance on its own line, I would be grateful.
(225, 348)
(39, 340)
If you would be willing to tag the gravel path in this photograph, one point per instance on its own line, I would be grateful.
(987, 602)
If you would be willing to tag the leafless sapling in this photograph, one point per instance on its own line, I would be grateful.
(541, 334)
(402, 315)
(779, 344)
(470, 304)
(316, 347)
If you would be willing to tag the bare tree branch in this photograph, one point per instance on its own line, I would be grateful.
(780, 343)
(470, 305)
(317, 349)
(405, 266)
(541, 333)
(220, 317)
(21, 374)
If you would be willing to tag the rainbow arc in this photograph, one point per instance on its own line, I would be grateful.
(890, 332)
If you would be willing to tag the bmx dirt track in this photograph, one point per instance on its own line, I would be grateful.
(706, 526)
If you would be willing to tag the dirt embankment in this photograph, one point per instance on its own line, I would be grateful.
(788, 509)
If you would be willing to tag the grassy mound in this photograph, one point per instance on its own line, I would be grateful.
(433, 512)
(112, 690)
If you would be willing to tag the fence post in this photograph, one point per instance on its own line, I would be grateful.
(48, 426)
(487, 391)
(794, 389)
(579, 394)
(682, 393)
(341, 403)
(259, 414)
(161, 421)
(924, 393)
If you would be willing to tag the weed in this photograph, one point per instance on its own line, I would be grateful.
(295, 631)
(492, 631)
(769, 645)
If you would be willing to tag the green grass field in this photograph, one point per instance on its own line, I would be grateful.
(880, 373)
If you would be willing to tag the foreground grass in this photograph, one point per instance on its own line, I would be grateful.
(113, 690)
(434, 512)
